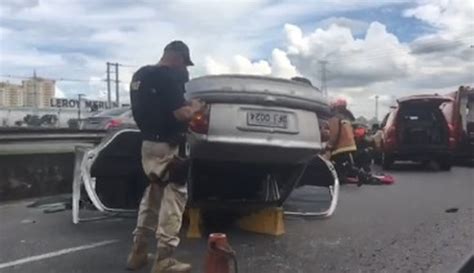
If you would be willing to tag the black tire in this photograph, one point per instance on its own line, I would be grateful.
(387, 161)
(445, 164)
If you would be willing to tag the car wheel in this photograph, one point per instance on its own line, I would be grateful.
(387, 161)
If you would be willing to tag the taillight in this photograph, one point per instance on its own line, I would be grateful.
(392, 133)
(390, 138)
(200, 122)
(452, 136)
(113, 123)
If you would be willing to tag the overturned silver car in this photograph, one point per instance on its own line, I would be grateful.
(250, 147)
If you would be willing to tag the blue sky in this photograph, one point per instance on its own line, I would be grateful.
(368, 43)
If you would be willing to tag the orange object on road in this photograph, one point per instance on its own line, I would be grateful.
(219, 255)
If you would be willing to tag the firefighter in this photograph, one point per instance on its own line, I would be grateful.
(161, 113)
(341, 146)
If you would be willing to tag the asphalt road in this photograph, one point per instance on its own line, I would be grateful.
(399, 228)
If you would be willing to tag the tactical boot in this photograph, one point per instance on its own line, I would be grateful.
(164, 263)
(138, 257)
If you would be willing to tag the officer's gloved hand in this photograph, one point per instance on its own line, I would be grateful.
(196, 105)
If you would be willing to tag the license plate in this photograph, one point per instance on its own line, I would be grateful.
(267, 119)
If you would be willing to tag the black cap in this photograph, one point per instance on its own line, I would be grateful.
(181, 48)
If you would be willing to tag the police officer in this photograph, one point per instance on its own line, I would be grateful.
(161, 113)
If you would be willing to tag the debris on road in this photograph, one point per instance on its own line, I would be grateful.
(55, 208)
(28, 221)
(53, 204)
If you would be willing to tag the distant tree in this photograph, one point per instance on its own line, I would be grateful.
(94, 108)
(362, 119)
(73, 123)
(32, 120)
(373, 121)
(48, 120)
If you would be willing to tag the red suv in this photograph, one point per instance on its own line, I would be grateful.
(417, 130)
(460, 115)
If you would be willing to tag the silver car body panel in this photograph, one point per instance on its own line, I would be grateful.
(230, 137)
(257, 90)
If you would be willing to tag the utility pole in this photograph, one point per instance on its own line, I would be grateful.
(117, 86)
(117, 95)
(324, 87)
(109, 97)
(377, 108)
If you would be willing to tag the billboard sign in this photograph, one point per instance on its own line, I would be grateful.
(85, 103)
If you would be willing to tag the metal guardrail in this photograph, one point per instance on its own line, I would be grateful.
(17, 135)
(39, 161)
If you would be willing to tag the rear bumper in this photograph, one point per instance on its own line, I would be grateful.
(251, 150)
(465, 149)
(417, 153)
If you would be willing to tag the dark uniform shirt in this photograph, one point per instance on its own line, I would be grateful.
(155, 93)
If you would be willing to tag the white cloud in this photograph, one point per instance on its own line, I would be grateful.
(379, 56)
(15, 5)
(214, 67)
(281, 65)
(59, 93)
(242, 65)
(239, 65)
(454, 16)
(378, 63)
(74, 39)
(356, 26)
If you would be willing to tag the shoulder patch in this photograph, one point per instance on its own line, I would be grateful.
(135, 85)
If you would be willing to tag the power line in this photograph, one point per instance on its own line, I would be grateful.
(129, 65)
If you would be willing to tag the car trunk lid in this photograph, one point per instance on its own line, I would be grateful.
(423, 100)
(422, 124)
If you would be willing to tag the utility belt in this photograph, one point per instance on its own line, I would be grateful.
(178, 139)
(178, 167)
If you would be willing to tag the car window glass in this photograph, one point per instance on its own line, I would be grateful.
(384, 121)
(470, 110)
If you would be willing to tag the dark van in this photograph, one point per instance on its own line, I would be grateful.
(417, 130)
